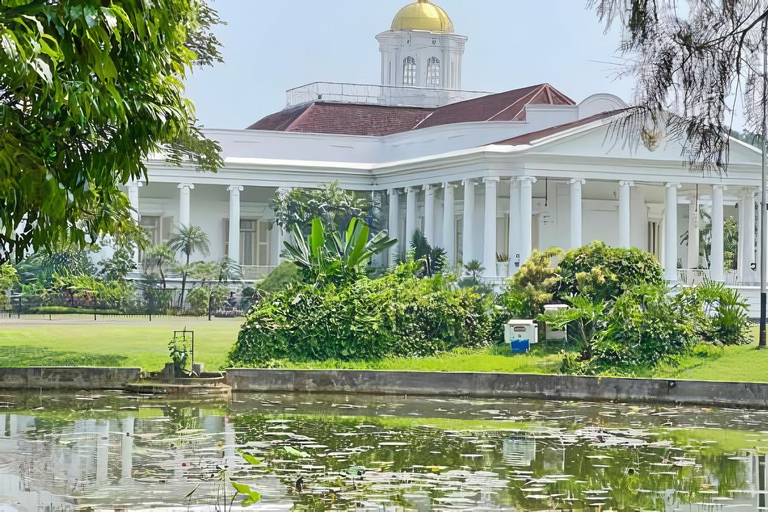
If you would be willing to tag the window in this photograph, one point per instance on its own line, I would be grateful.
(409, 71)
(433, 72)
(152, 225)
(254, 242)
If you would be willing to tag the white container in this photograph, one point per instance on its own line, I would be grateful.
(553, 335)
(521, 334)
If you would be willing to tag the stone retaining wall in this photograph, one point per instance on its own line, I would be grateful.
(67, 378)
(556, 387)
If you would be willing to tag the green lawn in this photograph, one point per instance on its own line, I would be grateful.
(489, 360)
(112, 342)
(140, 343)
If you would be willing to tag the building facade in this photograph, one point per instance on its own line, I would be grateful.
(485, 176)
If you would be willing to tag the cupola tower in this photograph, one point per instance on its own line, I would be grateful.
(421, 49)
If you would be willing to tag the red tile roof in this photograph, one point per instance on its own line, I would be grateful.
(527, 138)
(356, 119)
(505, 106)
(344, 119)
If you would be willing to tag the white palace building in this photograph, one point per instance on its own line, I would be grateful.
(480, 174)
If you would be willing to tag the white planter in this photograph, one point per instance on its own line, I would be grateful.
(502, 269)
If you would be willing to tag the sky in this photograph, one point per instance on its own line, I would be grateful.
(273, 45)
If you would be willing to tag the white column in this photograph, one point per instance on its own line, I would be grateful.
(133, 197)
(234, 222)
(489, 227)
(751, 228)
(101, 429)
(126, 448)
(468, 246)
(694, 223)
(526, 217)
(394, 224)
(449, 221)
(747, 257)
(717, 261)
(670, 234)
(411, 215)
(429, 214)
(576, 213)
(625, 214)
(514, 225)
(185, 190)
(282, 235)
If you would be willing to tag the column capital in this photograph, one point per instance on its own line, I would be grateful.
(430, 188)
(673, 185)
(135, 183)
(719, 187)
(393, 191)
(469, 182)
(746, 192)
(526, 179)
(626, 183)
(235, 189)
(409, 190)
(580, 181)
(491, 179)
(448, 184)
(190, 186)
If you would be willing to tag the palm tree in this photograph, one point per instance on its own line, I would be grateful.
(159, 257)
(228, 269)
(186, 240)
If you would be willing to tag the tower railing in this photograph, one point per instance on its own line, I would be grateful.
(383, 95)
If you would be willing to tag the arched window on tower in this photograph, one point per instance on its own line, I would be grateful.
(433, 72)
(409, 71)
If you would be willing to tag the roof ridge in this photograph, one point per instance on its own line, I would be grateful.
(292, 123)
(527, 96)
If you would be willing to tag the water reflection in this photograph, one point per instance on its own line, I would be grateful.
(377, 453)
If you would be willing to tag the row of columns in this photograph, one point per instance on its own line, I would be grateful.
(520, 226)
(185, 193)
(521, 190)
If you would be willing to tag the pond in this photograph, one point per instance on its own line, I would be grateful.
(316, 452)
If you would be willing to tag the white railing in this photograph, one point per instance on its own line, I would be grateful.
(696, 276)
(386, 95)
(252, 272)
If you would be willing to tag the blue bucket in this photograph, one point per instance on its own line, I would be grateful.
(520, 346)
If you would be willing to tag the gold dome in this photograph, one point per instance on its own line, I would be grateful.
(422, 15)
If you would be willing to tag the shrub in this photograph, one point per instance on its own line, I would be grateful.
(532, 287)
(285, 274)
(367, 319)
(198, 299)
(66, 310)
(8, 279)
(606, 272)
(645, 327)
(718, 313)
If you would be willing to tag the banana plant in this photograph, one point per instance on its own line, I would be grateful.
(338, 255)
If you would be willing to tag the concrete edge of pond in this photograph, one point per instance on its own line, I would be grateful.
(501, 385)
(84, 378)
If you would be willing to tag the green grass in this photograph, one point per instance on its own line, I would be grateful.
(112, 342)
(730, 364)
(497, 359)
(80, 342)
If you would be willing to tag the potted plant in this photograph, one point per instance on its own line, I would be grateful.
(502, 265)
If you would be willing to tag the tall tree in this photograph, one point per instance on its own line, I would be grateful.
(89, 89)
(334, 206)
(187, 240)
(695, 62)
